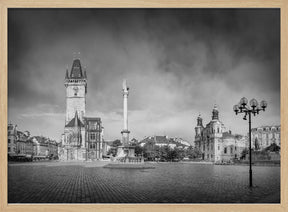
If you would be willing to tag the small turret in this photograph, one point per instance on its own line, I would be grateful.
(215, 113)
(199, 121)
(199, 127)
(67, 74)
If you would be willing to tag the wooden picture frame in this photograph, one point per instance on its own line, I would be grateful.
(5, 4)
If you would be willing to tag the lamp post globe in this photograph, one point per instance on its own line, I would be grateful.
(263, 104)
(243, 101)
(236, 108)
(253, 103)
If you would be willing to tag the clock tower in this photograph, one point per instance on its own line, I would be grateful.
(76, 90)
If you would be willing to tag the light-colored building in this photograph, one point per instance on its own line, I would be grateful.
(79, 141)
(264, 136)
(44, 147)
(215, 143)
(12, 138)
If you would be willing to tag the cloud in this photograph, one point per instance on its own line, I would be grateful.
(178, 63)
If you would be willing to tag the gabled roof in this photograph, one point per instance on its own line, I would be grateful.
(76, 70)
(75, 122)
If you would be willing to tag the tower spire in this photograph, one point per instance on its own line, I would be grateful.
(76, 119)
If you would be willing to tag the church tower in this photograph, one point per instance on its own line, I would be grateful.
(199, 127)
(76, 90)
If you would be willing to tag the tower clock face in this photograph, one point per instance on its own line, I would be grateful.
(75, 91)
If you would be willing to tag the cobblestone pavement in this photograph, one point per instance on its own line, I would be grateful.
(168, 183)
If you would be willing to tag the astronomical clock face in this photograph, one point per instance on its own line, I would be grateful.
(75, 90)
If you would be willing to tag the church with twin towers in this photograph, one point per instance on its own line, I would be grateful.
(83, 136)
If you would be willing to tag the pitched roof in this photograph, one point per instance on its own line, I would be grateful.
(75, 122)
(227, 135)
(76, 70)
(161, 139)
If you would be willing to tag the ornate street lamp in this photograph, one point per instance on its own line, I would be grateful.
(254, 108)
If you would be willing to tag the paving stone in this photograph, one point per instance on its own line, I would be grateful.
(167, 183)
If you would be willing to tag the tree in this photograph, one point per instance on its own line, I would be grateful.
(116, 143)
(273, 148)
(244, 153)
(193, 153)
(112, 151)
(256, 144)
(139, 150)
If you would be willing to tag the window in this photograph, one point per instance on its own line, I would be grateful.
(218, 129)
(9, 149)
(218, 147)
(231, 149)
(93, 125)
(9, 141)
(92, 146)
(225, 150)
(92, 136)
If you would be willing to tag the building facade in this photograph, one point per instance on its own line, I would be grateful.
(44, 148)
(12, 138)
(21, 146)
(80, 141)
(215, 143)
(94, 137)
(264, 136)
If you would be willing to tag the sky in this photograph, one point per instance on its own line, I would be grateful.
(178, 64)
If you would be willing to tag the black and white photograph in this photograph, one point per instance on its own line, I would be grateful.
(143, 105)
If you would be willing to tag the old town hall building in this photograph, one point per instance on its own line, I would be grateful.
(83, 136)
(215, 143)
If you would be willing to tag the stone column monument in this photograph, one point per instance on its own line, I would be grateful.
(125, 132)
(125, 151)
